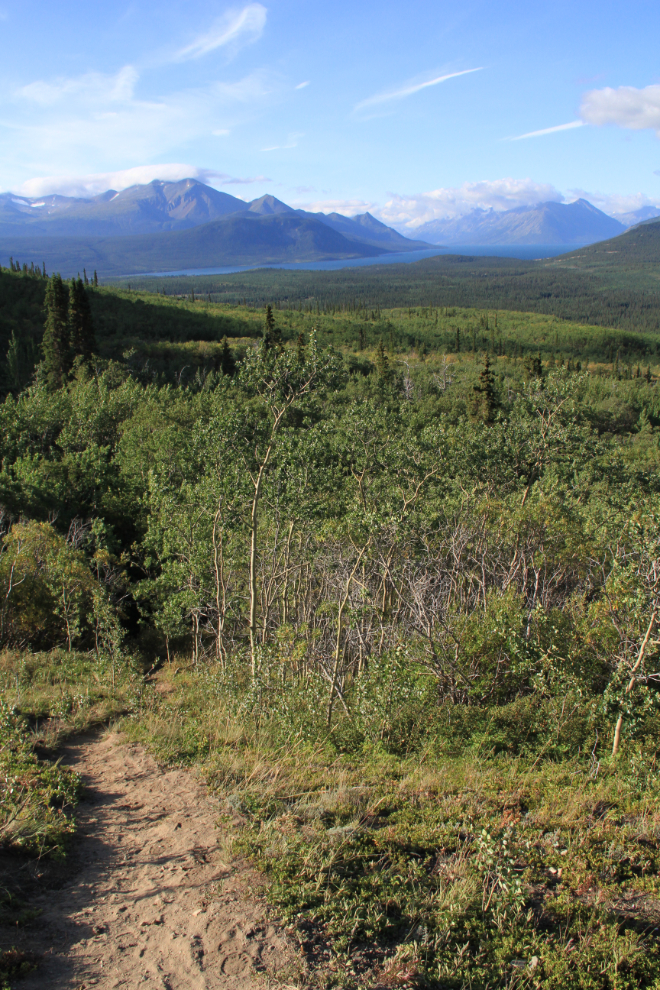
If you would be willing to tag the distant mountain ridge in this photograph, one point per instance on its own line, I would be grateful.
(142, 229)
(550, 223)
(164, 206)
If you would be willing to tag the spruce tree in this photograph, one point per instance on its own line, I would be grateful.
(484, 402)
(56, 349)
(272, 334)
(81, 328)
(96, 279)
(382, 363)
(227, 363)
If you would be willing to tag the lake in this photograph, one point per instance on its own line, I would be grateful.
(523, 252)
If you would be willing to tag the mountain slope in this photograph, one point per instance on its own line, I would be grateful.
(548, 223)
(237, 239)
(637, 247)
(366, 229)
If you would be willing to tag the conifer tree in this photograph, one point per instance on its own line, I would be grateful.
(272, 334)
(227, 363)
(56, 349)
(96, 279)
(382, 363)
(81, 328)
(484, 402)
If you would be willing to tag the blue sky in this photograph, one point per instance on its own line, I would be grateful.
(414, 110)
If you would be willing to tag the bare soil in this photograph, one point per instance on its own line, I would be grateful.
(146, 898)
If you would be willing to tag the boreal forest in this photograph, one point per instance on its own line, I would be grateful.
(379, 553)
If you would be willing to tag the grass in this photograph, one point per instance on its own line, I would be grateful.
(45, 697)
(430, 868)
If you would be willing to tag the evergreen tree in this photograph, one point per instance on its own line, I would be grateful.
(81, 328)
(272, 333)
(382, 362)
(56, 349)
(484, 402)
(96, 279)
(534, 367)
(227, 363)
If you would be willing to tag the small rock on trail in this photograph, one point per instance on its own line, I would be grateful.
(149, 902)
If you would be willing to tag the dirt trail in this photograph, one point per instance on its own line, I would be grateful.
(150, 903)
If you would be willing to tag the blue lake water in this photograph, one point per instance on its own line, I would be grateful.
(524, 252)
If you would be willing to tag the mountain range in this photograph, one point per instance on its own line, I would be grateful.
(551, 223)
(165, 226)
(169, 226)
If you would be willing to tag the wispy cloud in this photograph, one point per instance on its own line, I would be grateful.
(292, 142)
(348, 207)
(237, 27)
(99, 182)
(408, 89)
(626, 106)
(117, 88)
(302, 85)
(549, 130)
(98, 119)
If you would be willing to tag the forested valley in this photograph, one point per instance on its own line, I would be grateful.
(388, 574)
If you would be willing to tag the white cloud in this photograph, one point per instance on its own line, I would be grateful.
(348, 207)
(292, 142)
(409, 212)
(235, 28)
(408, 89)
(98, 119)
(549, 130)
(99, 182)
(615, 204)
(636, 109)
(302, 85)
(88, 88)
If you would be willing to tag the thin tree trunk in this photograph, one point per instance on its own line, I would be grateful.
(631, 683)
(340, 618)
(254, 525)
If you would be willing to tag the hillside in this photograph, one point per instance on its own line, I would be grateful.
(545, 224)
(451, 556)
(162, 337)
(638, 247)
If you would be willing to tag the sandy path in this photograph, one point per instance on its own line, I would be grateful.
(150, 902)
